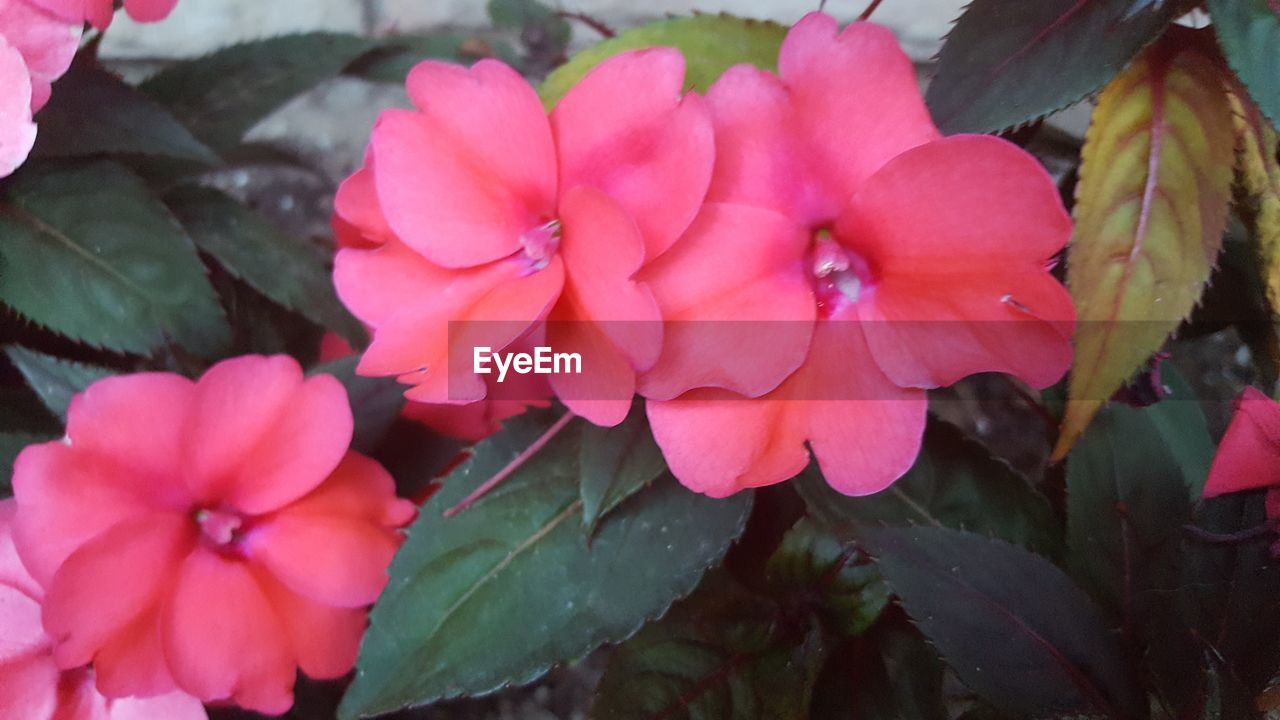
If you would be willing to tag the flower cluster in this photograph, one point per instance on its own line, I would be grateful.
(203, 538)
(782, 266)
(38, 39)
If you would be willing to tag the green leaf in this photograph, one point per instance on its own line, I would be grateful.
(858, 683)
(95, 113)
(722, 654)
(813, 563)
(10, 445)
(1179, 421)
(89, 253)
(1009, 62)
(1012, 626)
(1249, 33)
(1151, 208)
(1127, 500)
(499, 593)
(292, 271)
(221, 96)
(375, 402)
(55, 380)
(536, 23)
(615, 463)
(954, 483)
(711, 44)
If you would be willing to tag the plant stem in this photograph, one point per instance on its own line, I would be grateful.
(512, 466)
(866, 14)
(1236, 538)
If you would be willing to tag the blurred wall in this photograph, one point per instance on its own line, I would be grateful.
(199, 26)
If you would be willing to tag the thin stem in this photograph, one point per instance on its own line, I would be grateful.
(590, 22)
(866, 14)
(1236, 538)
(512, 466)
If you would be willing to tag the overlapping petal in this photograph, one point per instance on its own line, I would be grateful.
(17, 131)
(1249, 455)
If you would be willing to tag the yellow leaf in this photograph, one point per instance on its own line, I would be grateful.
(1259, 174)
(1151, 208)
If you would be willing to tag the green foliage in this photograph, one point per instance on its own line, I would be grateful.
(1011, 625)
(221, 96)
(292, 271)
(96, 113)
(55, 380)
(502, 591)
(616, 463)
(1009, 62)
(845, 589)
(1249, 33)
(392, 62)
(724, 653)
(711, 44)
(954, 483)
(89, 253)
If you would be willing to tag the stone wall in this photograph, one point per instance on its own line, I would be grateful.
(199, 26)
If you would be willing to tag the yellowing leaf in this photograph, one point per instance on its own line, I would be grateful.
(1151, 207)
(1259, 174)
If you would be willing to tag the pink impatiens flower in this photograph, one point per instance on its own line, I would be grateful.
(99, 12)
(871, 259)
(32, 686)
(210, 536)
(1249, 455)
(480, 209)
(36, 48)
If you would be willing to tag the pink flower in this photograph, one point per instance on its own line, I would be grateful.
(32, 686)
(479, 208)
(871, 259)
(1249, 455)
(99, 12)
(210, 536)
(36, 48)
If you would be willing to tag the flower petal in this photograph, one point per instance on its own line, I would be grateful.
(960, 272)
(333, 560)
(1249, 455)
(603, 391)
(223, 639)
(109, 582)
(261, 436)
(626, 130)
(855, 99)
(96, 12)
(29, 687)
(17, 131)
(47, 44)
(13, 574)
(357, 217)
(462, 180)
(133, 662)
(739, 312)
(145, 11)
(172, 706)
(325, 640)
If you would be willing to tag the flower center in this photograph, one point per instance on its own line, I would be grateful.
(219, 527)
(838, 275)
(540, 245)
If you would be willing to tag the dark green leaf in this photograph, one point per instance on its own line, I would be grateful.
(1127, 500)
(1008, 62)
(711, 44)
(615, 464)
(292, 271)
(1011, 625)
(375, 402)
(538, 24)
(954, 483)
(722, 654)
(811, 562)
(1249, 33)
(513, 585)
(892, 674)
(221, 96)
(10, 445)
(55, 380)
(95, 113)
(1179, 421)
(393, 62)
(90, 254)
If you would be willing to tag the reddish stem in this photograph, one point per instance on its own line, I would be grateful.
(512, 466)
(1236, 538)
(590, 22)
(866, 14)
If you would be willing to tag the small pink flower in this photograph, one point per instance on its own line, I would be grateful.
(479, 208)
(36, 48)
(869, 258)
(1249, 455)
(210, 536)
(32, 686)
(99, 12)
